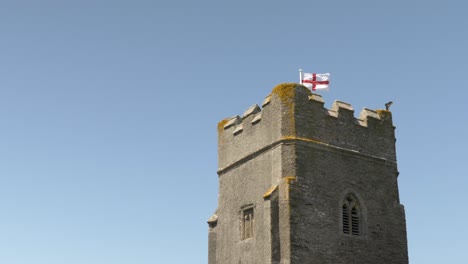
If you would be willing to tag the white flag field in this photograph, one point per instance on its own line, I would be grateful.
(316, 81)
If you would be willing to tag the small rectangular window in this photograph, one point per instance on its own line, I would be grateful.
(247, 223)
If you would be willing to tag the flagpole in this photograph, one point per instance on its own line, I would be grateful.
(300, 76)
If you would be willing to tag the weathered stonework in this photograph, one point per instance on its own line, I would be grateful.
(294, 162)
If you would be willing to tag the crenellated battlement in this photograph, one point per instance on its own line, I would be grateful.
(292, 112)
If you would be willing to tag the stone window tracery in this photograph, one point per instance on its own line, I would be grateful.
(351, 216)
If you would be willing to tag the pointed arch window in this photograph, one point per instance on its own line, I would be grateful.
(351, 216)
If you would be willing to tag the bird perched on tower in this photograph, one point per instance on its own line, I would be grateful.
(387, 105)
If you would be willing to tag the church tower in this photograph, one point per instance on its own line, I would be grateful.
(302, 184)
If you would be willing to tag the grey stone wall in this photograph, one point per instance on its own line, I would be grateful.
(323, 179)
(293, 161)
(245, 186)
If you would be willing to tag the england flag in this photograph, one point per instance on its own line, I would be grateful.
(316, 81)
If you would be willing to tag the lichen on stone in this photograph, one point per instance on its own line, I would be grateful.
(270, 191)
(301, 139)
(289, 179)
(222, 123)
(383, 113)
(285, 91)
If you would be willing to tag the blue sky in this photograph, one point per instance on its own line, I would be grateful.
(108, 113)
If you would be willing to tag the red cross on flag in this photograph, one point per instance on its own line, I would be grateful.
(316, 81)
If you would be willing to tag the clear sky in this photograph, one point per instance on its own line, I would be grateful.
(108, 113)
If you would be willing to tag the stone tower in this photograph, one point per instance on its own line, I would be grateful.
(302, 184)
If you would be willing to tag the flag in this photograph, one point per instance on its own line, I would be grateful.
(316, 81)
